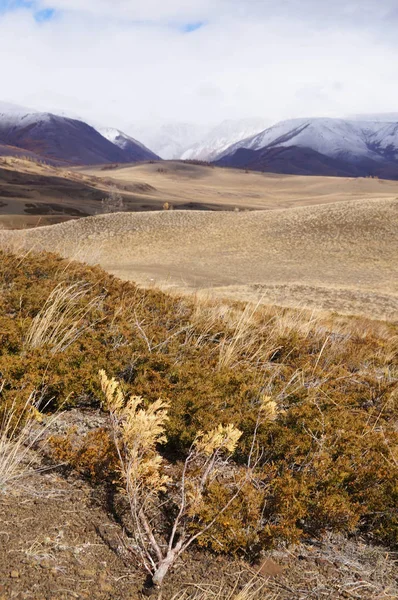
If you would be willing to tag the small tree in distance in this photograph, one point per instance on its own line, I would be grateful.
(113, 203)
(138, 432)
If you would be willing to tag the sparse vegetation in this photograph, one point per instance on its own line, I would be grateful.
(328, 463)
(114, 202)
(19, 435)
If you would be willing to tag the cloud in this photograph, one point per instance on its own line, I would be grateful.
(122, 62)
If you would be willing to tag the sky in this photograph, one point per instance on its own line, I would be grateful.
(126, 62)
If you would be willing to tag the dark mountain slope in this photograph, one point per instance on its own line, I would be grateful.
(305, 161)
(66, 140)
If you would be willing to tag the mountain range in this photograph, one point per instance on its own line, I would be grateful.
(352, 147)
(218, 139)
(320, 146)
(169, 140)
(62, 140)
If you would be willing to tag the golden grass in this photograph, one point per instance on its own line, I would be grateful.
(340, 257)
(179, 184)
(150, 187)
(62, 319)
(19, 434)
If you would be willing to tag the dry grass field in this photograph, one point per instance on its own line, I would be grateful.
(34, 194)
(202, 187)
(341, 257)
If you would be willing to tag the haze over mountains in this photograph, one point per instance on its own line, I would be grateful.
(190, 141)
(221, 137)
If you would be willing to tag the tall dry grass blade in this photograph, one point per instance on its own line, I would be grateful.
(19, 434)
(62, 319)
(244, 339)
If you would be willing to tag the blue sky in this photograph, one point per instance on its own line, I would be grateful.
(48, 13)
(40, 14)
(191, 27)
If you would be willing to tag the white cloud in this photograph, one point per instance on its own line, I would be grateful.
(126, 61)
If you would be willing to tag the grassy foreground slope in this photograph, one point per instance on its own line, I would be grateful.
(329, 462)
(335, 381)
(341, 256)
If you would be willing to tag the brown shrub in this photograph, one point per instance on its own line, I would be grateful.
(330, 461)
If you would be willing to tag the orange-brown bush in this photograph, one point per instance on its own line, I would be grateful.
(330, 461)
(92, 455)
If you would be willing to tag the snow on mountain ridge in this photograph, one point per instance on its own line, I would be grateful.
(61, 138)
(335, 138)
(221, 137)
(119, 138)
(168, 140)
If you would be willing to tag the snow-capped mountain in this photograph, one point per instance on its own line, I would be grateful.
(359, 147)
(214, 144)
(171, 140)
(128, 144)
(61, 139)
(14, 111)
(189, 141)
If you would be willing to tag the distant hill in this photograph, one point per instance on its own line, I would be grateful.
(320, 147)
(133, 150)
(63, 140)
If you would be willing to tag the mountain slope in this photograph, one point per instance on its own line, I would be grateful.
(63, 140)
(221, 137)
(321, 146)
(130, 146)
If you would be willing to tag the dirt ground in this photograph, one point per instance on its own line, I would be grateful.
(61, 539)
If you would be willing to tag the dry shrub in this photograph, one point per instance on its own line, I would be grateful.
(138, 432)
(92, 455)
(330, 460)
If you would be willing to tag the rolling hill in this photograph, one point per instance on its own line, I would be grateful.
(340, 256)
(33, 193)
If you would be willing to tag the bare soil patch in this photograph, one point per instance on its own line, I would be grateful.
(60, 541)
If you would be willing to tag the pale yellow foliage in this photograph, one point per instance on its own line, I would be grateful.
(113, 394)
(268, 408)
(144, 427)
(223, 437)
(137, 432)
(140, 430)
